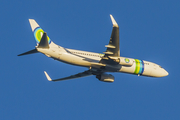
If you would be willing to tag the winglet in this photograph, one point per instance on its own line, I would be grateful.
(113, 21)
(47, 76)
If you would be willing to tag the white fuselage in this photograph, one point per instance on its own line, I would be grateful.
(91, 60)
(98, 64)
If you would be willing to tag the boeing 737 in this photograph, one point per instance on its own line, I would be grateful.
(97, 64)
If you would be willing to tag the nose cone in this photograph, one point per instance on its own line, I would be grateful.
(165, 73)
(159, 72)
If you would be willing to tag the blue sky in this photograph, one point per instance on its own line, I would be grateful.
(149, 30)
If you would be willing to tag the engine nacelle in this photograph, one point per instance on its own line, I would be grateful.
(105, 77)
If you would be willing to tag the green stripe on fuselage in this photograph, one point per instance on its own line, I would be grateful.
(137, 66)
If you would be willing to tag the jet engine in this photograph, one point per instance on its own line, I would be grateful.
(105, 77)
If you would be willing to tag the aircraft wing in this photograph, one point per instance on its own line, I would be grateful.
(83, 74)
(113, 50)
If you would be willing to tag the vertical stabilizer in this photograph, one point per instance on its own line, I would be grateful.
(38, 31)
(33, 24)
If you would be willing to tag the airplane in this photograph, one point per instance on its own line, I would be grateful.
(97, 64)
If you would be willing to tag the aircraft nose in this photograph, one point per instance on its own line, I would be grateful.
(159, 72)
(165, 73)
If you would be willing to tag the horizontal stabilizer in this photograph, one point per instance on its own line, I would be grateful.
(44, 41)
(29, 52)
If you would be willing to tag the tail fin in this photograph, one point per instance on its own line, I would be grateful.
(38, 31)
(40, 36)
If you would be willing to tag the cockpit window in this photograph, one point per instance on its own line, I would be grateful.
(160, 66)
